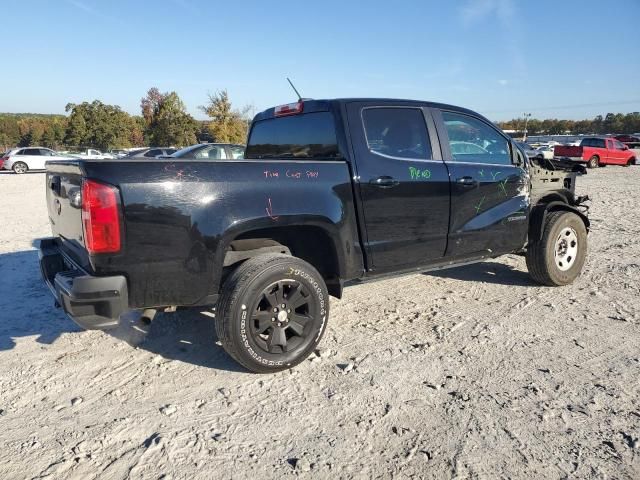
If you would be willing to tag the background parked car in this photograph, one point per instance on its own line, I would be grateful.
(118, 152)
(91, 153)
(547, 152)
(211, 151)
(22, 160)
(530, 151)
(152, 152)
(596, 151)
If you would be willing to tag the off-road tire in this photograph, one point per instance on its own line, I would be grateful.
(20, 168)
(594, 162)
(541, 260)
(242, 294)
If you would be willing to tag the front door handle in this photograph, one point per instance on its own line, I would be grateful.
(384, 181)
(467, 181)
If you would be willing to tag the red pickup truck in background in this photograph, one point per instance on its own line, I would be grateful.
(596, 151)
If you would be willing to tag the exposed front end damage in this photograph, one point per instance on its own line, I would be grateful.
(553, 185)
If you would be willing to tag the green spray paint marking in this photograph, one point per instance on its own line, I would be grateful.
(503, 186)
(479, 205)
(417, 174)
(481, 173)
(494, 174)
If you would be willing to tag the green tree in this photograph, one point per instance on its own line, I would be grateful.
(227, 124)
(98, 125)
(166, 120)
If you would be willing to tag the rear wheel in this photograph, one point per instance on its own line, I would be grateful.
(557, 259)
(272, 313)
(20, 167)
(594, 162)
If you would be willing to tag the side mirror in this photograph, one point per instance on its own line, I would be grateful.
(625, 147)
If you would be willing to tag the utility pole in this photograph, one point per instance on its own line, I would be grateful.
(526, 120)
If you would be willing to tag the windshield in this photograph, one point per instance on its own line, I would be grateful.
(311, 135)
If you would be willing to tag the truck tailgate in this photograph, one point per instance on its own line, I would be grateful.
(64, 205)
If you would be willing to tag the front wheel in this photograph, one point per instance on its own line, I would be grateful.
(557, 259)
(20, 168)
(272, 312)
(594, 162)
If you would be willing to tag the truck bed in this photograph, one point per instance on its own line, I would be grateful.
(178, 217)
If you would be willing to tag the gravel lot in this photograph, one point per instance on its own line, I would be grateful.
(473, 372)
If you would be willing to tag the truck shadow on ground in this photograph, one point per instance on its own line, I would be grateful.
(186, 335)
(27, 310)
(488, 272)
(26, 306)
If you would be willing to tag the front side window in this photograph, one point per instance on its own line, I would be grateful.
(46, 152)
(618, 145)
(397, 132)
(472, 140)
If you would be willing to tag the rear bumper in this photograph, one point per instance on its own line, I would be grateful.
(94, 303)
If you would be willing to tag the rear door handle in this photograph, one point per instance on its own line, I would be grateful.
(384, 181)
(467, 181)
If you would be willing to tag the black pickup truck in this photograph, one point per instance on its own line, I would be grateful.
(331, 192)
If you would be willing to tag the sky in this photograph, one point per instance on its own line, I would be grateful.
(503, 58)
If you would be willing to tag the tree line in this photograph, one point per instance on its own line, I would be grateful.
(164, 121)
(610, 123)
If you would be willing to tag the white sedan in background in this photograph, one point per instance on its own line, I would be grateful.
(547, 152)
(22, 160)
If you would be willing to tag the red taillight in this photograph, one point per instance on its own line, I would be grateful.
(100, 217)
(288, 109)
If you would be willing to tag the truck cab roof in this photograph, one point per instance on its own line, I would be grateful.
(323, 105)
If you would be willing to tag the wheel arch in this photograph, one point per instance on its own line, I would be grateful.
(539, 214)
(316, 244)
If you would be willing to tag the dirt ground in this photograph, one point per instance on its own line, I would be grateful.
(474, 372)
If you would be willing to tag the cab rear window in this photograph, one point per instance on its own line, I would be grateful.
(310, 135)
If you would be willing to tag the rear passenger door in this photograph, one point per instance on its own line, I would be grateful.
(34, 159)
(489, 193)
(402, 182)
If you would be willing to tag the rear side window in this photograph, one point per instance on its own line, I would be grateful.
(397, 132)
(31, 151)
(598, 143)
(472, 140)
(310, 135)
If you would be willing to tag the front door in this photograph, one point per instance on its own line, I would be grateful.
(402, 182)
(489, 193)
(620, 153)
